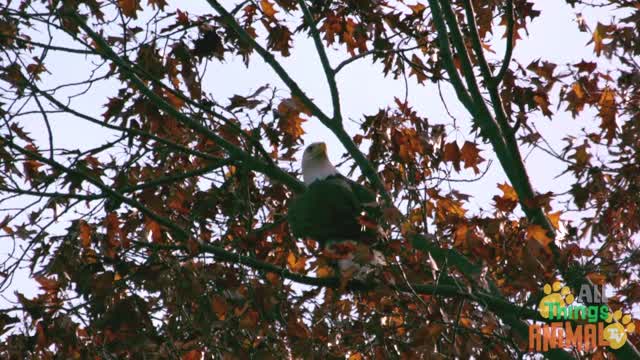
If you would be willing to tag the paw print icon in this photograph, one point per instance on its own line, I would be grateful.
(616, 332)
(556, 296)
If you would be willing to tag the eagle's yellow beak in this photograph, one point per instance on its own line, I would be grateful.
(323, 148)
(316, 150)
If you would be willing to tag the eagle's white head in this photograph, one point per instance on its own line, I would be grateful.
(316, 164)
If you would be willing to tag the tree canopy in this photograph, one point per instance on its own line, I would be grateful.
(152, 220)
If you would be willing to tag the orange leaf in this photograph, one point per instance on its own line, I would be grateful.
(85, 233)
(130, 7)
(466, 322)
(417, 8)
(539, 234)
(296, 264)
(192, 355)
(173, 99)
(452, 154)
(112, 224)
(47, 284)
(273, 278)
(508, 192)
(460, 235)
(160, 4)
(219, 306)
(323, 271)
(249, 320)
(267, 8)
(608, 111)
(597, 278)
(471, 156)
(155, 231)
(554, 218)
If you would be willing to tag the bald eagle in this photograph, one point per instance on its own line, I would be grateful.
(333, 209)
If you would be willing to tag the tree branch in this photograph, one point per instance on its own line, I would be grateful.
(509, 48)
(326, 66)
(448, 290)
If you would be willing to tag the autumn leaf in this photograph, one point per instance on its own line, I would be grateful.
(599, 35)
(509, 199)
(249, 320)
(545, 70)
(219, 306)
(267, 8)
(554, 219)
(112, 223)
(586, 67)
(84, 231)
(273, 278)
(448, 207)
(114, 108)
(160, 4)
(539, 234)
(597, 278)
(297, 329)
(324, 271)
(470, 154)
(417, 69)
(279, 39)
(130, 7)
(607, 105)
(466, 322)
(36, 69)
(154, 230)
(173, 99)
(31, 169)
(209, 44)
(581, 156)
(508, 192)
(192, 355)
(48, 285)
(295, 263)
(289, 121)
(452, 154)
(417, 9)
(460, 235)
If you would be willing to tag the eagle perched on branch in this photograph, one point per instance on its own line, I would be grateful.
(334, 210)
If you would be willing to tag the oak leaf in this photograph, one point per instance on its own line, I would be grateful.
(539, 234)
(267, 8)
(607, 104)
(130, 7)
(452, 154)
(84, 231)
